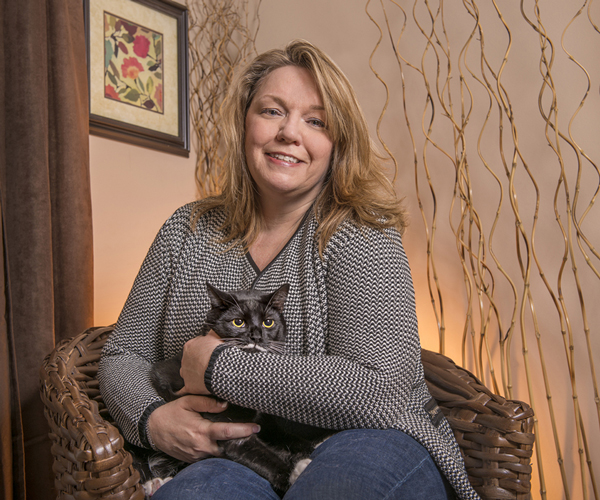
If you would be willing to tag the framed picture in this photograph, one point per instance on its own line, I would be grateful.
(137, 57)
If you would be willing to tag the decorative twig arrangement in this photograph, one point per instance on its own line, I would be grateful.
(220, 41)
(471, 118)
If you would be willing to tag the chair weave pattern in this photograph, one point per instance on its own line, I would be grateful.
(89, 459)
(495, 435)
(90, 462)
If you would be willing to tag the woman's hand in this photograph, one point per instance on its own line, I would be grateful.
(178, 429)
(196, 355)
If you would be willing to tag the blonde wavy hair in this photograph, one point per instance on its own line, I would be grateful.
(356, 187)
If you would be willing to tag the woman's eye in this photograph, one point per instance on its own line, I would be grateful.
(317, 123)
(271, 112)
(238, 323)
(268, 323)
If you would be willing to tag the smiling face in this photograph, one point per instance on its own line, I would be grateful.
(287, 146)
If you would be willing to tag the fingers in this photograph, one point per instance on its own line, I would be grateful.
(210, 449)
(182, 392)
(212, 333)
(178, 429)
(219, 430)
(203, 403)
(222, 431)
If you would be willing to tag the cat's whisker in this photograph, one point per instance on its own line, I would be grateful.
(273, 346)
(276, 347)
(233, 340)
(235, 301)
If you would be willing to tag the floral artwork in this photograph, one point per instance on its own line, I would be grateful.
(133, 60)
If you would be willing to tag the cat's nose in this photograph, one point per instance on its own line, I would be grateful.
(256, 334)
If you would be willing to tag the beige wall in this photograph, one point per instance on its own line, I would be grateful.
(135, 190)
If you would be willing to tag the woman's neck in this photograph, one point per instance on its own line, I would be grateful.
(279, 225)
(278, 218)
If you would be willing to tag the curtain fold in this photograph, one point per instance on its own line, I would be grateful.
(45, 187)
(12, 485)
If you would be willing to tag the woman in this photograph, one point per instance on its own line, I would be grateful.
(305, 201)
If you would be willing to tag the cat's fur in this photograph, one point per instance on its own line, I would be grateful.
(280, 451)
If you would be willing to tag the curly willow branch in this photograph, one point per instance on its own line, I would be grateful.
(505, 278)
(220, 41)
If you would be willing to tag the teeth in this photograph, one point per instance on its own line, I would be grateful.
(289, 159)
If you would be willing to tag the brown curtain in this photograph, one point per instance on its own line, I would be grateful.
(46, 208)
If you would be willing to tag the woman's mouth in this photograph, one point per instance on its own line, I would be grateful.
(285, 158)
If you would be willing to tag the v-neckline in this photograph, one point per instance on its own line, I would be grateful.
(260, 272)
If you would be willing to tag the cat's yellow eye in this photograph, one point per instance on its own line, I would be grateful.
(268, 323)
(238, 323)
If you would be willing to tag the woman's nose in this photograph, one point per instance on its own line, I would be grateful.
(289, 130)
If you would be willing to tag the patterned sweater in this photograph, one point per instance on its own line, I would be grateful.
(352, 355)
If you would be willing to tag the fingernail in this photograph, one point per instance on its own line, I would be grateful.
(223, 404)
(256, 429)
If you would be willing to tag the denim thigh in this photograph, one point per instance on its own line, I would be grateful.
(216, 479)
(365, 464)
(360, 464)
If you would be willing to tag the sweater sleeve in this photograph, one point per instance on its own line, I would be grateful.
(366, 376)
(137, 340)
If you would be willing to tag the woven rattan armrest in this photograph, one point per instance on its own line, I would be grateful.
(89, 459)
(495, 435)
(90, 462)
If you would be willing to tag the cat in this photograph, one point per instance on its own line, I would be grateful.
(253, 321)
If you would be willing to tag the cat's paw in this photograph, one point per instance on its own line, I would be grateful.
(299, 469)
(151, 487)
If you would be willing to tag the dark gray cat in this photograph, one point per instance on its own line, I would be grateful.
(253, 321)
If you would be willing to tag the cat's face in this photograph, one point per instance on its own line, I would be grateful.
(250, 319)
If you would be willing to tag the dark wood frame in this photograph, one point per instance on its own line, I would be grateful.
(141, 136)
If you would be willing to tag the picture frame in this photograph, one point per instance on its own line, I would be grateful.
(137, 61)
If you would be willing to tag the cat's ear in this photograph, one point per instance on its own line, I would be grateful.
(218, 299)
(277, 300)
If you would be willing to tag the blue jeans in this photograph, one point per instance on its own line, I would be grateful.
(360, 464)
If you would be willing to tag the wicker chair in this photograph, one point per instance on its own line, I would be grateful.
(91, 462)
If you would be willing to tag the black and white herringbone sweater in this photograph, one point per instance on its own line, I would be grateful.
(352, 353)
